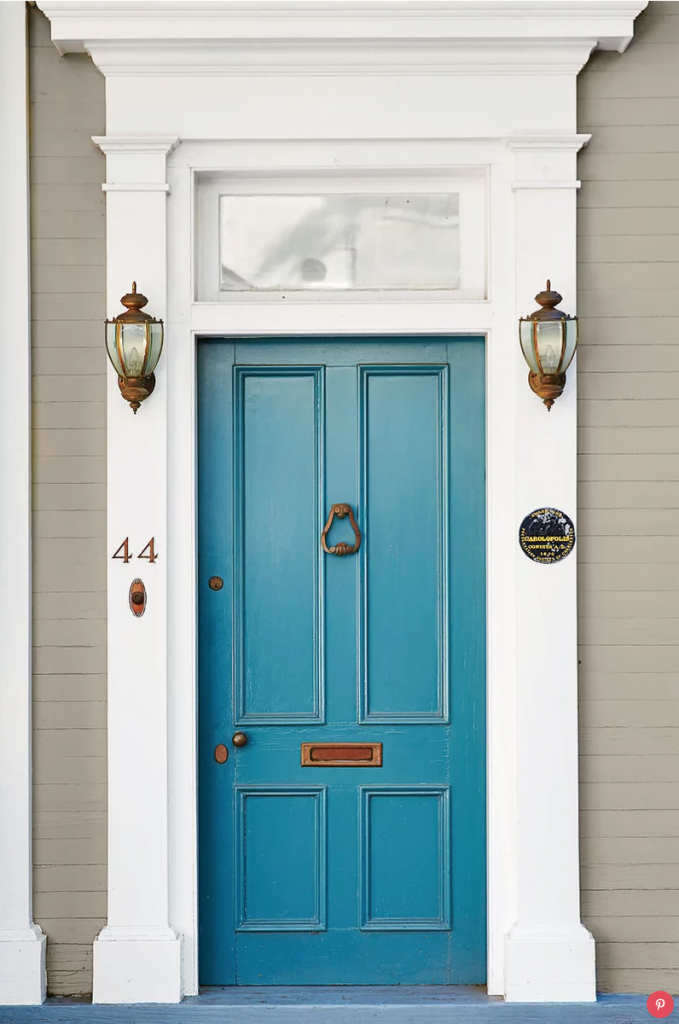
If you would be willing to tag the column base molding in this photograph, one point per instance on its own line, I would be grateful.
(137, 966)
(22, 966)
(542, 966)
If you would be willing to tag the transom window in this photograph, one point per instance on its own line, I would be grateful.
(266, 238)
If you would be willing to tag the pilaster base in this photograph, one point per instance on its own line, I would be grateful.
(546, 967)
(137, 967)
(22, 967)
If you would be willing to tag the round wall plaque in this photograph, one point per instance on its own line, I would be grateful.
(547, 535)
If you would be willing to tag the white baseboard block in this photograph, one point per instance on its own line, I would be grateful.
(22, 967)
(544, 967)
(132, 967)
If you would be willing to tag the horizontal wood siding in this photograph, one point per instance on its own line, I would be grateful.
(69, 507)
(628, 380)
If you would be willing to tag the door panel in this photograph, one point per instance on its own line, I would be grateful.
(403, 454)
(405, 884)
(278, 492)
(356, 874)
(281, 881)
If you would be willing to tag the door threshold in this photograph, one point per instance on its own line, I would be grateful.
(344, 995)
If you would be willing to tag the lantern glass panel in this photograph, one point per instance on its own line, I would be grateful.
(112, 348)
(133, 341)
(526, 338)
(550, 334)
(571, 342)
(156, 346)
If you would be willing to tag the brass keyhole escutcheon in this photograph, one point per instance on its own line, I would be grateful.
(215, 583)
(221, 753)
(137, 598)
(239, 739)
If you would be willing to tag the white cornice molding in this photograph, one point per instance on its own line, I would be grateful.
(320, 58)
(569, 141)
(148, 37)
(135, 143)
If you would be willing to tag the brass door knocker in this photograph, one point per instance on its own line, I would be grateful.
(341, 511)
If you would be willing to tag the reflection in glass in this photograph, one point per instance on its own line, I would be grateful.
(361, 242)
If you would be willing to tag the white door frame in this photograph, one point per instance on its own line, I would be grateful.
(341, 88)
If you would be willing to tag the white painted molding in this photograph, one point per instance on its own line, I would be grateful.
(22, 944)
(407, 37)
(549, 956)
(610, 23)
(142, 144)
(137, 956)
(214, 58)
(518, 185)
(569, 142)
(134, 186)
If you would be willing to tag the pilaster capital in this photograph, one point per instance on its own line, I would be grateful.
(136, 163)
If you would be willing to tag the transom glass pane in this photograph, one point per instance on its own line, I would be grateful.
(357, 242)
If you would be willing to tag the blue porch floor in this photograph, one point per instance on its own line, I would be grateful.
(417, 1005)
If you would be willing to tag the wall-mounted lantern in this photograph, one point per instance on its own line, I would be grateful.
(548, 338)
(134, 341)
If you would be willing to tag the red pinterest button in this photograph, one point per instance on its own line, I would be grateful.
(660, 1004)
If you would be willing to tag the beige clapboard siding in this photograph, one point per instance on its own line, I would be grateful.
(69, 499)
(628, 509)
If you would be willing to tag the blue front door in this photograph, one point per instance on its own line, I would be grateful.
(344, 842)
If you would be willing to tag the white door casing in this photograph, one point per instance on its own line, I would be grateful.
(341, 89)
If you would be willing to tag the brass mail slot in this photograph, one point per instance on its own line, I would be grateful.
(342, 755)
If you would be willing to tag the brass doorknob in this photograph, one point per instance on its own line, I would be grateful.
(239, 739)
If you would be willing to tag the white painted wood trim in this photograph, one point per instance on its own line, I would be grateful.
(137, 955)
(549, 955)
(22, 944)
(556, 25)
(166, 65)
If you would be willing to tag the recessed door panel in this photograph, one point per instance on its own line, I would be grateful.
(404, 452)
(281, 879)
(342, 840)
(405, 858)
(277, 492)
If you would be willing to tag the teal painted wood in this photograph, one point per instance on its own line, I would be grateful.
(312, 875)
(400, 1005)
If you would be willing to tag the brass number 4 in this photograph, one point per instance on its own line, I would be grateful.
(151, 548)
(125, 548)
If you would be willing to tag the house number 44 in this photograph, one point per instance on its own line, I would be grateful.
(149, 552)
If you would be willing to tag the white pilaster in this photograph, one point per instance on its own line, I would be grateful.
(22, 944)
(137, 955)
(549, 955)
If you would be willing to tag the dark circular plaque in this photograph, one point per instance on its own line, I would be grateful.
(547, 535)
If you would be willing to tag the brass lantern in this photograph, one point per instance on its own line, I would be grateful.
(134, 341)
(549, 338)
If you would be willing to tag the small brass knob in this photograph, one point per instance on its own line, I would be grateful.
(137, 597)
(239, 739)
